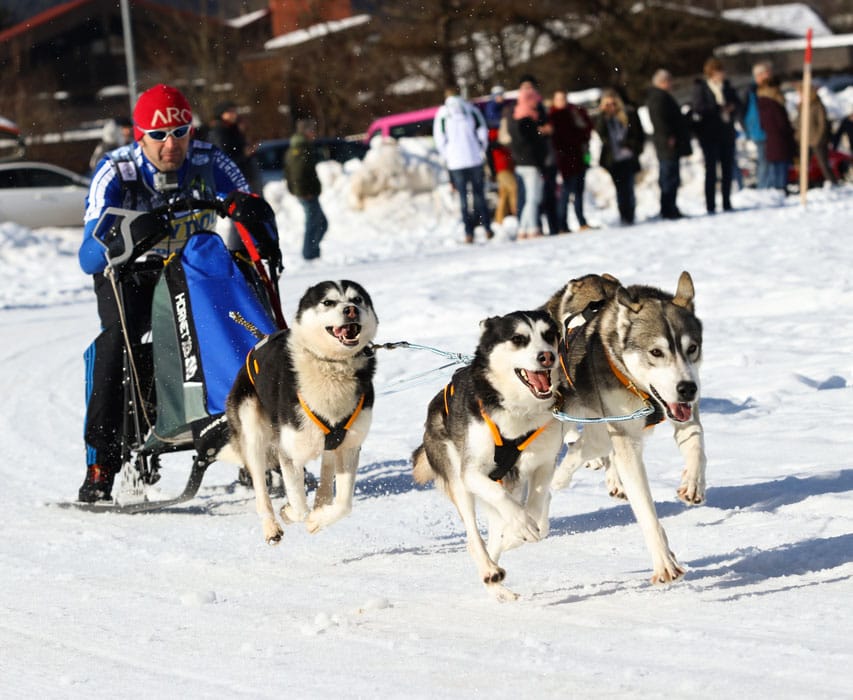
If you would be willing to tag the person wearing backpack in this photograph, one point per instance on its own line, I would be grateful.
(462, 140)
(762, 74)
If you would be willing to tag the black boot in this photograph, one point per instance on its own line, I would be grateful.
(98, 484)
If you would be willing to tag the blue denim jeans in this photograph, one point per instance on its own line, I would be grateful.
(777, 174)
(762, 175)
(533, 187)
(316, 226)
(462, 178)
(669, 179)
(572, 186)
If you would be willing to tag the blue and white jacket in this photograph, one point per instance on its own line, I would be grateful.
(125, 178)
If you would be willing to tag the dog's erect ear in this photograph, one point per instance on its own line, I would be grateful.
(488, 323)
(685, 292)
(610, 278)
(625, 298)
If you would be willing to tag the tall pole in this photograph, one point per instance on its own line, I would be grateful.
(805, 106)
(130, 61)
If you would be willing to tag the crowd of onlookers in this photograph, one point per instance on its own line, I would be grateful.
(537, 151)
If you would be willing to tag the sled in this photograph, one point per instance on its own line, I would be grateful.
(210, 306)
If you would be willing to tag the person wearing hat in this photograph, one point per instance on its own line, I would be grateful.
(162, 163)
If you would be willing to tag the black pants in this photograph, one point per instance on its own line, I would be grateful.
(104, 361)
(718, 152)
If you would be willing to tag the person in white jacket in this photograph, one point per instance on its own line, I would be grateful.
(462, 138)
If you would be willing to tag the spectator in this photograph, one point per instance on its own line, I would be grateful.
(762, 73)
(116, 133)
(715, 107)
(671, 138)
(462, 139)
(572, 128)
(505, 177)
(164, 161)
(494, 107)
(529, 151)
(226, 131)
(300, 172)
(622, 138)
(819, 133)
(779, 136)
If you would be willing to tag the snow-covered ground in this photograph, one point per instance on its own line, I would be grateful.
(191, 603)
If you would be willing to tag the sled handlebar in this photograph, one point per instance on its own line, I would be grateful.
(128, 234)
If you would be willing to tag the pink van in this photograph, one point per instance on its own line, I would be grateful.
(416, 123)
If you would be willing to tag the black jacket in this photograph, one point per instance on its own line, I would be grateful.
(709, 121)
(671, 130)
(634, 139)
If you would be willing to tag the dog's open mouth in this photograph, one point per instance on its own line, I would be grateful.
(679, 412)
(347, 334)
(539, 382)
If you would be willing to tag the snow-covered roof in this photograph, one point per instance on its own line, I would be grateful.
(760, 47)
(300, 36)
(248, 18)
(791, 18)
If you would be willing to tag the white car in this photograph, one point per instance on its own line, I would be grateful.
(40, 194)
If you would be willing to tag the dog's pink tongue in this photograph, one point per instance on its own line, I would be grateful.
(680, 411)
(541, 381)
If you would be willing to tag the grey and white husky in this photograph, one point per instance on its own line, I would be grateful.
(303, 393)
(491, 438)
(623, 348)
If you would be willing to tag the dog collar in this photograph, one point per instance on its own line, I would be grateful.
(653, 418)
(335, 434)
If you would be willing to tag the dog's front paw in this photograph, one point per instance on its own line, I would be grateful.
(667, 570)
(272, 531)
(614, 483)
(562, 478)
(501, 593)
(290, 515)
(691, 491)
(324, 516)
(521, 528)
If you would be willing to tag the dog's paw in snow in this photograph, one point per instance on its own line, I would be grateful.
(691, 492)
(272, 531)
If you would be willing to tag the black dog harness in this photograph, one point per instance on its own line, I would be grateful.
(507, 451)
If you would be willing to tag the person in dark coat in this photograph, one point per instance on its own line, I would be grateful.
(572, 128)
(671, 138)
(780, 144)
(300, 171)
(529, 151)
(622, 139)
(715, 107)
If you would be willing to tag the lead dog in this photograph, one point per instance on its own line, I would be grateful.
(490, 437)
(632, 347)
(304, 392)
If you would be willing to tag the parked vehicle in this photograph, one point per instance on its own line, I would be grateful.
(41, 194)
(404, 124)
(270, 154)
(840, 164)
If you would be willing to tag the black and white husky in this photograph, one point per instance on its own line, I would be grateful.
(490, 437)
(624, 348)
(306, 392)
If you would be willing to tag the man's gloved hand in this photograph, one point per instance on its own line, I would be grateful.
(248, 208)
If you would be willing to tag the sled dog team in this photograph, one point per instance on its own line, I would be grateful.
(491, 440)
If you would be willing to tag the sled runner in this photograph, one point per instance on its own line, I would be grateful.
(210, 305)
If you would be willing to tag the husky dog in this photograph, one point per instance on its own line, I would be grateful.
(635, 346)
(490, 436)
(304, 392)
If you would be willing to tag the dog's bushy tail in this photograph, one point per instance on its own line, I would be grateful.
(422, 471)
